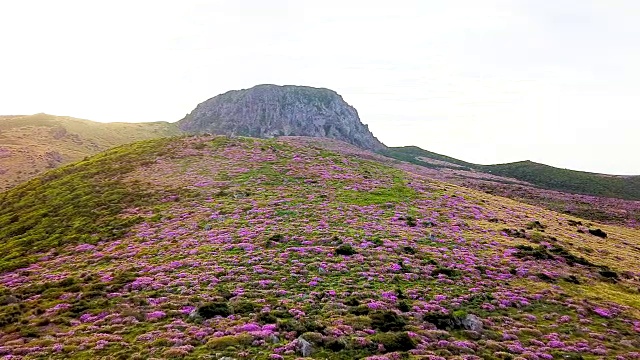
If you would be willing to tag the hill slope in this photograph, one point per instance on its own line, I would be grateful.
(205, 247)
(30, 145)
(544, 176)
(549, 177)
(266, 111)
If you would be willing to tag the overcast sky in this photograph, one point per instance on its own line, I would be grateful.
(553, 81)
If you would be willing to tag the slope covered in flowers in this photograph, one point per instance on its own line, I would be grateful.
(212, 247)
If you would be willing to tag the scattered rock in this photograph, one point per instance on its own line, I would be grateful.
(472, 323)
(303, 347)
(452, 321)
(274, 339)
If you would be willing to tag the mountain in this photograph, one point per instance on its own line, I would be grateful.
(549, 177)
(266, 111)
(544, 176)
(229, 247)
(30, 145)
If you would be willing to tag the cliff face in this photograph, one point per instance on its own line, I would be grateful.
(271, 110)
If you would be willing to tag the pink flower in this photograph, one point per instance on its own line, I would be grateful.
(155, 315)
(603, 312)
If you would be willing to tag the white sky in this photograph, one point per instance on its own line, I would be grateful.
(487, 81)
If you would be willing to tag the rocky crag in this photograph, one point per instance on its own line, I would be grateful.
(269, 110)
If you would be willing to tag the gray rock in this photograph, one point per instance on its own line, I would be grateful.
(472, 323)
(274, 339)
(269, 110)
(304, 347)
(631, 343)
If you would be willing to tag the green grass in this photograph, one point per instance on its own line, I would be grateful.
(79, 203)
(550, 177)
(398, 192)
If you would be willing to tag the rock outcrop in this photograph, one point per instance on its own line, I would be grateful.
(271, 110)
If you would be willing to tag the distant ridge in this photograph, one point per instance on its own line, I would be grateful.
(32, 144)
(544, 176)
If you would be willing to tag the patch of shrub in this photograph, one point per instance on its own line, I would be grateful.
(213, 309)
(608, 273)
(515, 233)
(244, 307)
(352, 302)
(276, 238)
(346, 250)
(572, 279)
(266, 318)
(538, 253)
(395, 341)
(10, 315)
(546, 278)
(387, 321)
(452, 273)
(569, 257)
(360, 310)
(335, 345)
(535, 225)
(597, 232)
(411, 221)
(224, 342)
(300, 326)
(403, 306)
(409, 250)
(536, 237)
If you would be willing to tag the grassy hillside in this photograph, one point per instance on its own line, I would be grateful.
(206, 247)
(418, 156)
(544, 176)
(30, 145)
(549, 177)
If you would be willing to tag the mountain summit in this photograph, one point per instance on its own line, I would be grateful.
(271, 110)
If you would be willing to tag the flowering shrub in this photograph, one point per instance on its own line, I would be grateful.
(197, 266)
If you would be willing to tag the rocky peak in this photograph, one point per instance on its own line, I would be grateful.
(272, 110)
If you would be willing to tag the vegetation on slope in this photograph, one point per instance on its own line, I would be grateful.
(550, 177)
(413, 154)
(30, 145)
(544, 176)
(269, 249)
(79, 203)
